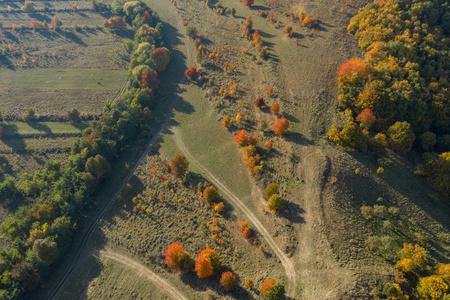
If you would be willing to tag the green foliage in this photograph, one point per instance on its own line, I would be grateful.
(401, 137)
(191, 32)
(437, 169)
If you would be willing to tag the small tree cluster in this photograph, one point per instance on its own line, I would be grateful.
(210, 194)
(115, 23)
(56, 22)
(272, 290)
(248, 27)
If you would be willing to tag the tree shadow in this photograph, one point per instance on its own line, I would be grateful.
(292, 212)
(73, 37)
(40, 127)
(298, 138)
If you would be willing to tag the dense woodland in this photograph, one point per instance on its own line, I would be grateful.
(398, 95)
(41, 232)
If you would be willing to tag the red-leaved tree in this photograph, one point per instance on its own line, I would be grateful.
(281, 126)
(192, 74)
(249, 3)
(259, 102)
(150, 79)
(366, 118)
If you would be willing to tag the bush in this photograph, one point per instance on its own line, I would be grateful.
(192, 74)
(115, 23)
(74, 116)
(30, 116)
(29, 6)
(210, 194)
(241, 138)
(275, 108)
(191, 32)
(259, 102)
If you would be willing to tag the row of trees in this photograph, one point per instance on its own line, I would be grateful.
(208, 264)
(41, 232)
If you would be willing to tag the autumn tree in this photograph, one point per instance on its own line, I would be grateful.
(275, 108)
(259, 102)
(249, 3)
(179, 166)
(274, 202)
(210, 194)
(270, 190)
(228, 280)
(207, 263)
(245, 229)
(226, 122)
(272, 290)
(307, 21)
(401, 137)
(177, 258)
(161, 57)
(241, 138)
(248, 27)
(378, 143)
(56, 22)
(416, 254)
(432, 287)
(149, 79)
(366, 118)
(348, 134)
(192, 74)
(252, 140)
(281, 126)
(287, 30)
(115, 23)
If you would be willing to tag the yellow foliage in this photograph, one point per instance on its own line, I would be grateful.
(432, 288)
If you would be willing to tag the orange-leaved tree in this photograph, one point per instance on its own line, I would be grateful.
(177, 258)
(252, 140)
(275, 108)
(208, 263)
(281, 126)
(241, 138)
(179, 166)
(150, 79)
(210, 194)
(228, 280)
(226, 122)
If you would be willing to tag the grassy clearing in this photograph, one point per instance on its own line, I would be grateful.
(107, 279)
(41, 144)
(42, 127)
(62, 79)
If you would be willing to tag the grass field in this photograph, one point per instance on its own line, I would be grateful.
(22, 128)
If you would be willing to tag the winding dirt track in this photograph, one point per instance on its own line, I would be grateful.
(158, 281)
(287, 264)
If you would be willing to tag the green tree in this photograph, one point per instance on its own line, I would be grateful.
(401, 137)
(274, 202)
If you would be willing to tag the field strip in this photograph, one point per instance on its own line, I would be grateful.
(23, 128)
(286, 262)
(158, 281)
(55, 78)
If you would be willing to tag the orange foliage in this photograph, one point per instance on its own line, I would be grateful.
(281, 126)
(192, 74)
(307, 21)
(241, 138)
(266, 286)
(354, 68)
(275, 108)
(252, 140)
(366, 118)
(228, 280)
(226, 122)
(270, 91)
(150, 79)
(269, 145)
(203, 267)
(179, 165)
(176, 257)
